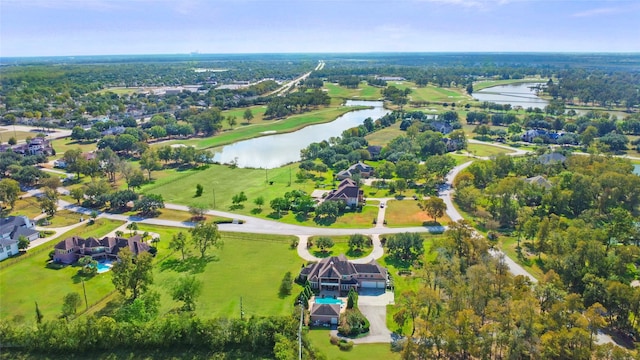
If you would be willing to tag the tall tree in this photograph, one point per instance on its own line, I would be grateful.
(150, 161)
(132, 275)
(187, 289)
(248, 115)
(434, 207)
(179, 243)
(205, 235)
(9, 191)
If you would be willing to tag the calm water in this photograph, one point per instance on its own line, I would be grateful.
(636, 169)
(514, 94)
(276, 150)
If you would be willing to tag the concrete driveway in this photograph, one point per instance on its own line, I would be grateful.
(373, 306)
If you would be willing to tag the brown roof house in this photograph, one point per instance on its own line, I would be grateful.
(71, 249)
(336, 273)
(325, 313)
(360, 168)
(348, 191)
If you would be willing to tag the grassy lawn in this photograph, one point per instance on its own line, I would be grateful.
(289, 124)
(250, 266)
(352, 219)
(64, 218)
(29, 207)
(7, 133)
(383, 136)
(430, 93)
(403, 213)
(486, 150)
(64, 144)
(320, 339)
(341, 246)
(363, 92)
(22, 275)
(258, 117)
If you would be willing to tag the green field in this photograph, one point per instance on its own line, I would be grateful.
(27, 279)
(250, 266)
(64, 144)
(403, 213)
(486, 150)
(341, 246)
(8, 133)
(383, 136)
(430, 93)
(363, 92)
(479, 85)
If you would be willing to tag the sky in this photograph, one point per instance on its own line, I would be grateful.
(109, 27)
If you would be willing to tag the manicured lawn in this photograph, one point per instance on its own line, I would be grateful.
(292, 123)
(27, 279)
(64, 144)
(383, 136)
(350, 219)
(489, 83)
(250, 266)
(64, 218)
(430, 93)
(486, 150)
(320, 339)
(402, 213)
(341, 246)
(258, 116)
(363, 92)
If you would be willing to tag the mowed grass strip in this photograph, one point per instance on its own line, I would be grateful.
(403, 213)
(29, 280)
(248, 266)
(8, 133)
(486, 150)
(383, 136)
(320, 339)
(430, 93)
(28, 206)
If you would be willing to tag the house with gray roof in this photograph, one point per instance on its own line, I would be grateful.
(359, 168)
(552, 158)
(12, 227)
(325, 313)
(336, 273)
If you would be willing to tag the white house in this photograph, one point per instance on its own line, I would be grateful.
(8, 248)
(12, 227)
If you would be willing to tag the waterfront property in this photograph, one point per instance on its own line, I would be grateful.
(71, 249)
(359, 168)
(337, 274)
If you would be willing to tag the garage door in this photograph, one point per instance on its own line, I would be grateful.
(370, 284)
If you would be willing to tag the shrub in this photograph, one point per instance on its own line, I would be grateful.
(345, 345)
(334, 340)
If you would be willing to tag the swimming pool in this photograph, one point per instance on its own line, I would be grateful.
(104, 266)
(328, 301)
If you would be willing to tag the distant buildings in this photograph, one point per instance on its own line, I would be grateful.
(35, 146)
(360, 168)
(71, 249)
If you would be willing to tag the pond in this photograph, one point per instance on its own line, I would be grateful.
(277, 150)
(636, 169)
(522, 94)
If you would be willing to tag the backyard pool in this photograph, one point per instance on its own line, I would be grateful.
(104, 266)
(328, 301)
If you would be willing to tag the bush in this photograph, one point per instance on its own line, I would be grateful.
(345, 345)
(334, 340)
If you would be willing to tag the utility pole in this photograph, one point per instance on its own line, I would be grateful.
(86, 303)
(241, 310)
(214, 196)
(266, 175)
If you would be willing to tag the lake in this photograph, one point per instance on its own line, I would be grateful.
(520, 94)
(273, 151)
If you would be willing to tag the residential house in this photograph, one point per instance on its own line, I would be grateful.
(348, 191)
(360, 168)
(540, 181)
(71, 249)
(325, 313)
(552, 158)
(336, 273)
(35, 146)
(13, 227)
(8, 248)
(441, 127)
(452, 145)
(114, 130)
(529, 135)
